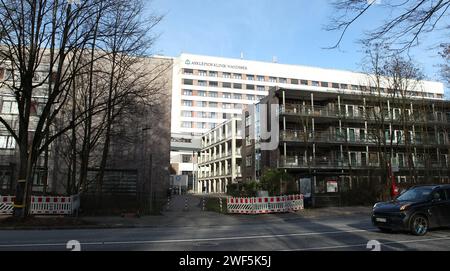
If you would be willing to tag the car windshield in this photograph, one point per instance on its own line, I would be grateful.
(416, 194)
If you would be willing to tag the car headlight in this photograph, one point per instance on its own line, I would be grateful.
(404, 207)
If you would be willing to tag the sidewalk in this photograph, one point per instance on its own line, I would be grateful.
(178, 216)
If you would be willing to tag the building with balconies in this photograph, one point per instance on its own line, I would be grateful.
(220, 158)
(333, 142)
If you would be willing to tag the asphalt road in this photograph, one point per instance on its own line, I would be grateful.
(287, 233)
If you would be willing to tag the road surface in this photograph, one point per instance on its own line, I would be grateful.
(285, 232)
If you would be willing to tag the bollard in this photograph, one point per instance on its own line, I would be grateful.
(220, 204)
(204, 204)
(185, 204)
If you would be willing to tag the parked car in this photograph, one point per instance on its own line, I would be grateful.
(416, 210)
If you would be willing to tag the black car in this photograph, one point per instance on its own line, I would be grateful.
(416, 210)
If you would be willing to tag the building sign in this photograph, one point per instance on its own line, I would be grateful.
(215, 65)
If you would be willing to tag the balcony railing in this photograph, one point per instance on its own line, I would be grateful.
(329, 111)
(328, 137)
(329, 162)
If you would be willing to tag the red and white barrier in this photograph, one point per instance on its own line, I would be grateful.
(44, 205)
(6, 205)
(264, 205)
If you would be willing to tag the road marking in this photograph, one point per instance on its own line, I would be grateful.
(190, 240)
(365, 244)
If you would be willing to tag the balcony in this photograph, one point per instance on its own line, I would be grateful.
(328, 137)
(358, 114)
(326, 162)
(321, 137)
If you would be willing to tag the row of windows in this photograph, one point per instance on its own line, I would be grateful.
(7, 142)
(200, 125)
(216, 104)
(281, 80)
(225, 95)
(202, 83)
(10, 107)
(238, 76)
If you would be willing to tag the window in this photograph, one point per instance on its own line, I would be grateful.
(5, 178)
(294, 81)
(250, 87)
(186, 158)
(202, 83)
(188, 71)
(335, 85)
(237, 76)
(248, 142)
(261, 88)
(226, 85)
(248, 160)
(7, 142)
(237, 86)
(315, 83)
(187, 103)
(260, 97)
(202, 104)
(187, 92)
(189, 82)
(237, 96)
(250, 77)
(226, 95)
(213, 84)
(10, 107)
(261, 78)
(186, 124)
(201, 73)
(202, 93)
(237, 106)
(187, 114)
(202, 125)
(213, 94)
(304, 82)
(272, 79)
(226, 75)
(247, 121)
(283, 80)
(324, 84)
(344, 86)
(212, 104)
(355, 87)
(213, 73)
(213, 115)
(250, 97)
(226, 106)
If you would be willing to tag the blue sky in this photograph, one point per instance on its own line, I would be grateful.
(291, 30)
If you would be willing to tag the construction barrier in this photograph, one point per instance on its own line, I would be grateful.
(44, 205)
(6, 205)
(265, 205)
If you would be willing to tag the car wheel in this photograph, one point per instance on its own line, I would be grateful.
(385, 230)
(419, 225)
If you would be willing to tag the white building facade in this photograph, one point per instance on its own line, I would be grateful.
(206, 91)
(219, 163)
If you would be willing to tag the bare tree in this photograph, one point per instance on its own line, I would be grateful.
(408, 21)
(66, 50)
